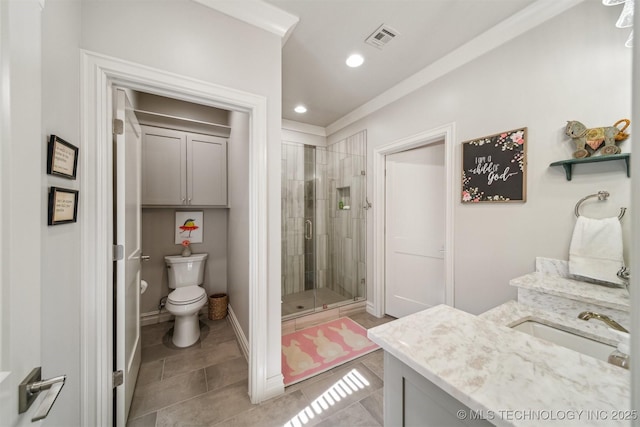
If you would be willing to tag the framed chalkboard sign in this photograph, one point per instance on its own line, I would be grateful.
(494, 168)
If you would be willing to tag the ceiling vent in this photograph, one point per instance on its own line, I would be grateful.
(380, 37)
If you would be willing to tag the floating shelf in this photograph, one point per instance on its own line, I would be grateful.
(173, 122)
(568, 164)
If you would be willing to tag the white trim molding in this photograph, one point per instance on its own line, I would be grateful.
(304, 128)
(99, 73)
(530, 17)
(240, 336)
(257, 13)
(446, 133)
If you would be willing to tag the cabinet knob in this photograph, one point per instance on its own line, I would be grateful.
(189, 202)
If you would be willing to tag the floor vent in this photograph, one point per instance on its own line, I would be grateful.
(381, 36)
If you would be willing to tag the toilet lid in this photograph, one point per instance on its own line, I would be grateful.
(186, 295)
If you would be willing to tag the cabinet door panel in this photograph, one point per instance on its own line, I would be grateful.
(206, 170)
(163, 166)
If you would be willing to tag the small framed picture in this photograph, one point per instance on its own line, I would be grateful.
(62, 158)
(63, 206)
(189, 226)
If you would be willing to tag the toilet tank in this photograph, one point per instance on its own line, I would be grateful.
(185, 270)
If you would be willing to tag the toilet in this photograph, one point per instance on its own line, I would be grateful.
(186, 274)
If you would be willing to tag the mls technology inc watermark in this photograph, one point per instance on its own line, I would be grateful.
(548, 415)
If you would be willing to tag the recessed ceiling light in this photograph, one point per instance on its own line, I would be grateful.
(355, 60)
(300, 109)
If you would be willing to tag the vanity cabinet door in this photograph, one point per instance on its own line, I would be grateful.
(164, 164)
(413, 401)
(206, 170)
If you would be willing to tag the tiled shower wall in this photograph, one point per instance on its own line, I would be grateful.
(336, 254)
(346, 246)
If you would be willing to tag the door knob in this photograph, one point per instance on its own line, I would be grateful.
(32, 385)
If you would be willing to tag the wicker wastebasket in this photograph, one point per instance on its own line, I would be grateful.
(218, 306)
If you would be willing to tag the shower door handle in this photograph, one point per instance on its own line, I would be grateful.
(308, 231)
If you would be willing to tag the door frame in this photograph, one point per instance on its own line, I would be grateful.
(98, 74)
(446, 133)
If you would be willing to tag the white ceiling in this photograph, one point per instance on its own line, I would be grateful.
(313, 59)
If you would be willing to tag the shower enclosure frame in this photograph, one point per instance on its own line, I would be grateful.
(323, 226)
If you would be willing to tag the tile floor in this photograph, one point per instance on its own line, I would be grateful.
(206, 385)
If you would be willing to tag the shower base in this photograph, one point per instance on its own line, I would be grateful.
(308, 302)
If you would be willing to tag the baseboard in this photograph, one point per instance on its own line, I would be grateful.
(156, 316)
(242, 339)
(274, 387)
(371, 309)
(153, 317)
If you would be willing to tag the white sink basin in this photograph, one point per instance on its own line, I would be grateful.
(571, 341)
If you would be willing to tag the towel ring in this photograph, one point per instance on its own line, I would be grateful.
(601, 195)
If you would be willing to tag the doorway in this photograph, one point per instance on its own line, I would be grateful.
(415, 224)
(446, 135)
(99, 74)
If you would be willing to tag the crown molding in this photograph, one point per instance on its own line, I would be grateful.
(514, 26)
(257, 13)
(304, 128)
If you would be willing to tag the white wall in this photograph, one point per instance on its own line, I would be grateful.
(178, 36)
(238, 229)
(61, 243)
(574, 67)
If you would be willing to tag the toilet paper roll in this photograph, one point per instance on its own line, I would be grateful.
(143, 286)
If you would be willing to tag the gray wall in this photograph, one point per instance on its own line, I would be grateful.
(573, 67)
(158, 240)
(178, 108)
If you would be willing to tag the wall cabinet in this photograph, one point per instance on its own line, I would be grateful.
(183, 169)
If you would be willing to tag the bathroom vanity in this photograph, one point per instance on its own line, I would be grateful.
(444, 366)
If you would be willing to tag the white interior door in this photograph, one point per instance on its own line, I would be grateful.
(415, 230)
(127, 199)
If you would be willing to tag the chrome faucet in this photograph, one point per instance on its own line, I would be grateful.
(586, 315)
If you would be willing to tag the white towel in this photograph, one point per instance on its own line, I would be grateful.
(596, 249)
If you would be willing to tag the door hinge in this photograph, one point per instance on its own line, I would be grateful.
(118, 127)
(118, 252)
(118, 378)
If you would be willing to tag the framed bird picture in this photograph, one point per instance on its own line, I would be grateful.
(189, 226)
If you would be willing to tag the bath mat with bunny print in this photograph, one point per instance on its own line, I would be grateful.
(317, 349)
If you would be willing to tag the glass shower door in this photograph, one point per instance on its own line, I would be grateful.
(298, 237)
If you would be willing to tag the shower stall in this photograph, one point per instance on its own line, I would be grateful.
(323, 225)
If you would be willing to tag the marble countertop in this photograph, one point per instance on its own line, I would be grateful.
(491, 367)
(612, 297)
